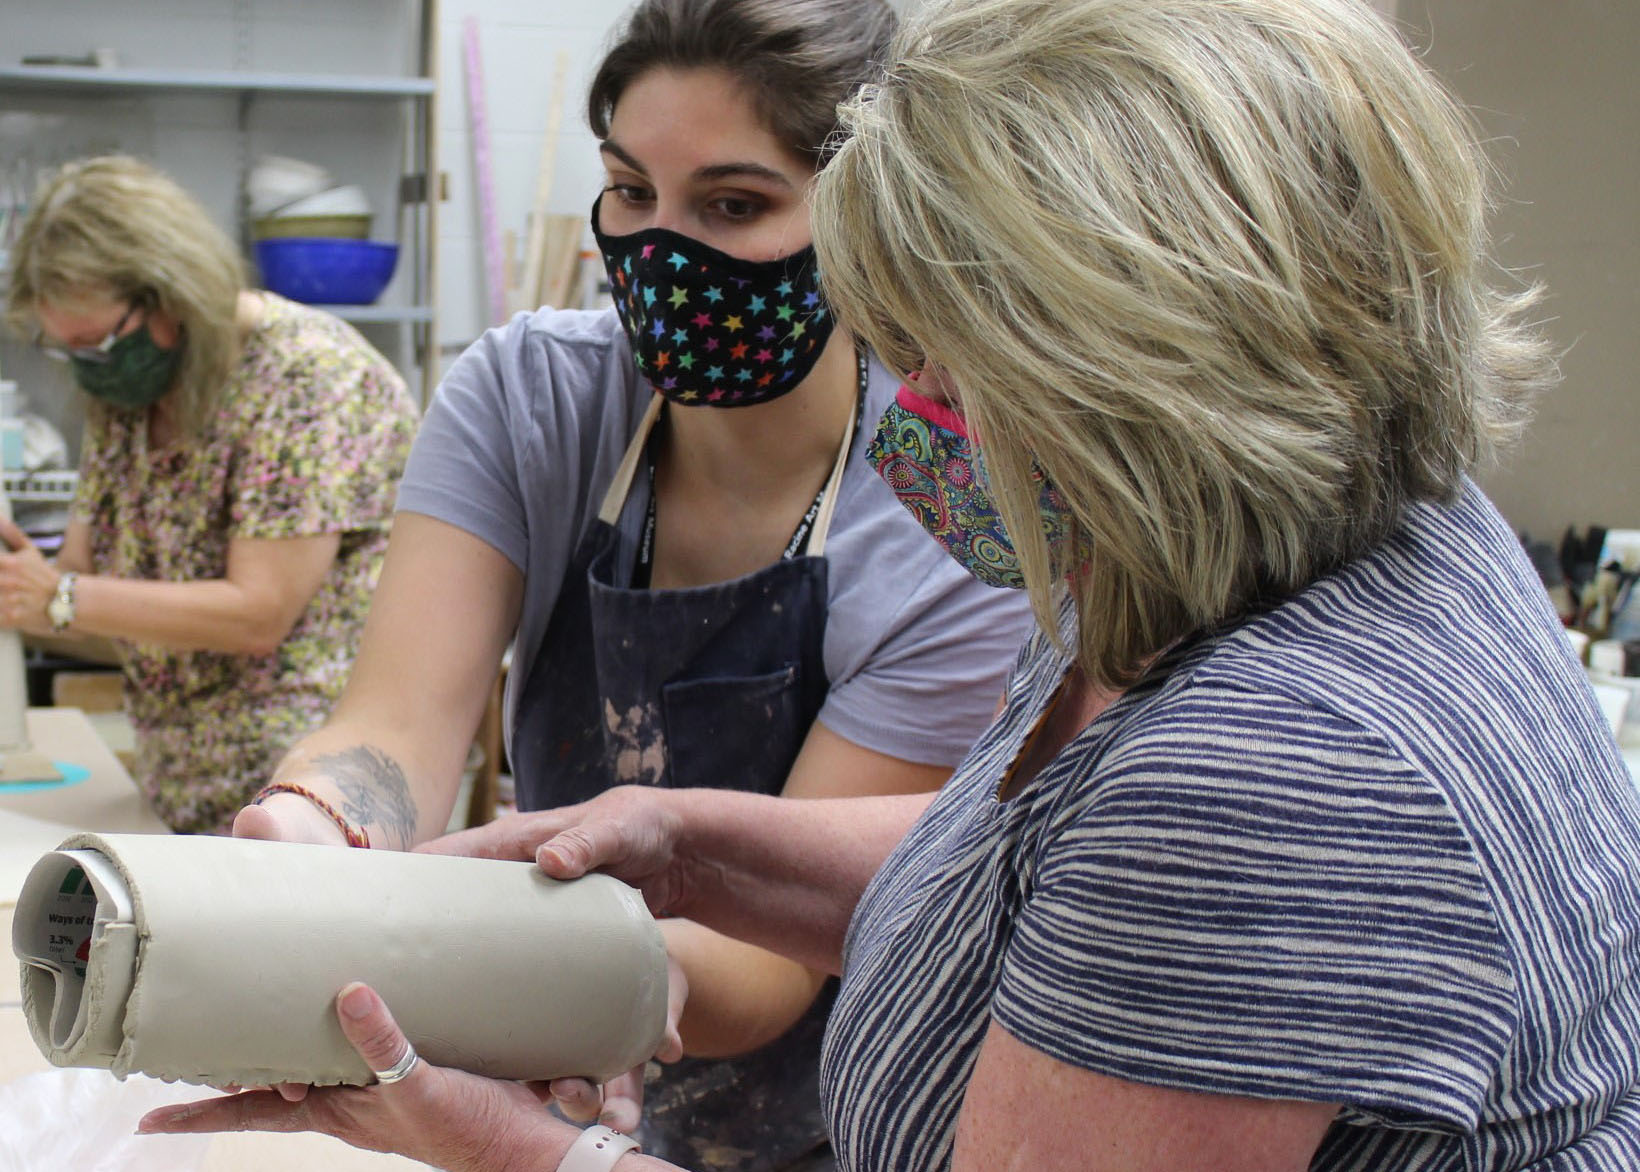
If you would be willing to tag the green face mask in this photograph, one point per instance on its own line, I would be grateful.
(136, 375)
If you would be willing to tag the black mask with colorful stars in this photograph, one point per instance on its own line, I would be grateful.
(709, 329)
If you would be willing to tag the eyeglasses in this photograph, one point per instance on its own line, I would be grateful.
(97, 353)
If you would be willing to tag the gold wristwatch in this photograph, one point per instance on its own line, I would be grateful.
(60, 610)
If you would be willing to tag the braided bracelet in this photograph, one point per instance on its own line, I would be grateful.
(355, 835)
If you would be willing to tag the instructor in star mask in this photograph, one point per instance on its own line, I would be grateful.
(666, 507)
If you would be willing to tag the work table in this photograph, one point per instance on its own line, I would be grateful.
(34, 822)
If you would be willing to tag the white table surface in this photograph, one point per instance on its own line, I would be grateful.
(34, 823)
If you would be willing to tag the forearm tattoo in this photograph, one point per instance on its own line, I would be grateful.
(374, 791)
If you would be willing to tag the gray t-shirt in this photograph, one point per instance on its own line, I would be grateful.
(522, 441)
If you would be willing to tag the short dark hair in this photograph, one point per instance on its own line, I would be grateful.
(796, 59)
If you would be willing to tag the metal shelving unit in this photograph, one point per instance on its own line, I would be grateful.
(52, 487)
(70, 79)
(418, 189)
(408, 314)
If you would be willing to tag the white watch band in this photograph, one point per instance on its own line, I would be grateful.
(596, 1149)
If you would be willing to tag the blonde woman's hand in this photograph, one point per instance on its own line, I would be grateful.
(27, 582)
(631, 832)
(446, 1118)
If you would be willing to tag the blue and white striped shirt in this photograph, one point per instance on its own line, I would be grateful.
(1374, 847)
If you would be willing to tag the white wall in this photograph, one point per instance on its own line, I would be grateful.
(519, 41)
(1552, 83)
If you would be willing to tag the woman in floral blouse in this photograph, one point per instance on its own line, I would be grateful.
(238, 469)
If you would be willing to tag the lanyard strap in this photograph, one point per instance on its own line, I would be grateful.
(811, 527)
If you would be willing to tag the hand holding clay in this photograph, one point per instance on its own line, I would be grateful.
(443, 1117)
(287, 818)
(630, 832)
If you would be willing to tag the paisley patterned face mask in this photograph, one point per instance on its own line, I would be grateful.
(710, 329)
(923, 451)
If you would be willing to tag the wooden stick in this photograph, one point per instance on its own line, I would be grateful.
(509, 269)
(535, 250)
(563, 258)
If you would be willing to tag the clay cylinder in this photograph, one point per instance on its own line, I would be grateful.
(217, 961)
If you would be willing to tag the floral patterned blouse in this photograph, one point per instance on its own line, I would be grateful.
(310, 437)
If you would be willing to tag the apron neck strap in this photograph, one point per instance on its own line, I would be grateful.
(828, 498)
(610, 510)
(824, 505)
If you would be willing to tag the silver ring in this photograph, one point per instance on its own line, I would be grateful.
(401, 1069)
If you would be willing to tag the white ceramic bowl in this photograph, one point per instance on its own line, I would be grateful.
(334, 201)
(277, 180)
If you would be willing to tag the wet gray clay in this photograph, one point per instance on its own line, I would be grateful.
(218, 960)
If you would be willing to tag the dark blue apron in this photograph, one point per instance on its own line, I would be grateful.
(707, 686)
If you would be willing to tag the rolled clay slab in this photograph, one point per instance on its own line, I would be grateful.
(218, 960)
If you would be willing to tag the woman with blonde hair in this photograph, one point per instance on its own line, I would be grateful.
(237, 476)
(1299, 842)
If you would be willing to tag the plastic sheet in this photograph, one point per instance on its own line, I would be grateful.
(85, 1120)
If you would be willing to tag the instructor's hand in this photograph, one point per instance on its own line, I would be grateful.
(287, 818)
(619, 1102)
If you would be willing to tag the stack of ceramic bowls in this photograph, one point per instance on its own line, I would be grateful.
(312, 235)
(340, 213)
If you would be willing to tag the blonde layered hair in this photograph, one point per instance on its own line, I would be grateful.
(116, 226)
(1217, 267)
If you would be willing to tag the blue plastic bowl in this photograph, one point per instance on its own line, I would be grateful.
(325, 270)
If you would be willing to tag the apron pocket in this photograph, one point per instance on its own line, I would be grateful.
(734, 732)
